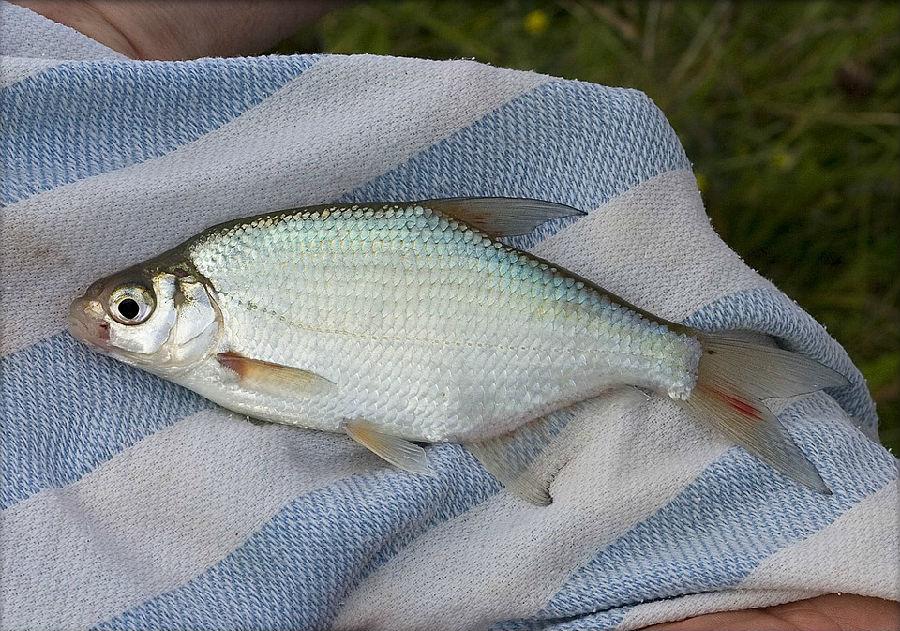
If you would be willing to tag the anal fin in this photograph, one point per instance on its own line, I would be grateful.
(398, 451)
(271, 378)
(518, 460)
(512, 458)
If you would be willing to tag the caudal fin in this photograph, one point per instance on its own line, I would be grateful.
(735, 376)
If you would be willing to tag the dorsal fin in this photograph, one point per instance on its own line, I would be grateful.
(501, 216)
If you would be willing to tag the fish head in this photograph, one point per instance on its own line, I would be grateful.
(160, 319)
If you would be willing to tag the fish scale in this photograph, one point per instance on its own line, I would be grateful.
(345, 293)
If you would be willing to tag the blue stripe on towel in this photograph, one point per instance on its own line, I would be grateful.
(577, 143)
(65, 410)
(295, 571)
(82, 119)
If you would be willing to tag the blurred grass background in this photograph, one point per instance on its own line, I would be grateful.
(788, 110)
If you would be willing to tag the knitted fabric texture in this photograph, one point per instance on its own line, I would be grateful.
(131, 503)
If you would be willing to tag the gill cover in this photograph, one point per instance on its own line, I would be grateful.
(196, 324)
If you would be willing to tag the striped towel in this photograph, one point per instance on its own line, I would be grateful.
(131, 503)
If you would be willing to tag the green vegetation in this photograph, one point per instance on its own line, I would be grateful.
(788, 110)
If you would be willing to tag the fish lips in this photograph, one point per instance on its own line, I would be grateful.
(88, 324)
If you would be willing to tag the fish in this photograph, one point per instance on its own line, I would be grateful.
(408, 323)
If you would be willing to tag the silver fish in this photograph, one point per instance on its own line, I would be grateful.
(412, 322)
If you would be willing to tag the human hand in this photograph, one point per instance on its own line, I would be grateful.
(161, 29)
(831, 612)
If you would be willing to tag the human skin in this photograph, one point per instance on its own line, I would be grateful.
(831, 612)
(188, 29)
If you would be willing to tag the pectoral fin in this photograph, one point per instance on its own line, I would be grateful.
(502, 216)
(263, 376)
(398, 451)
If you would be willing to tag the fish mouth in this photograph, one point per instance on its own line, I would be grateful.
(86, 323)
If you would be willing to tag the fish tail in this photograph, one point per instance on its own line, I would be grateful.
(735, 376)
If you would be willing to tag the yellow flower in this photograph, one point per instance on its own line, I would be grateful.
(783, 160)
(536, 22)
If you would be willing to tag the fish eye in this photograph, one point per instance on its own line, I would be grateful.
(129, 308)
(131, 305)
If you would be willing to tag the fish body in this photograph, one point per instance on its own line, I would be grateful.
(392, 322)
(429, 329)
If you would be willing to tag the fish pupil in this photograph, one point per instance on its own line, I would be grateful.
(129, 308)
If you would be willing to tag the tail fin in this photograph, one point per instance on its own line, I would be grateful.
(734, 376)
